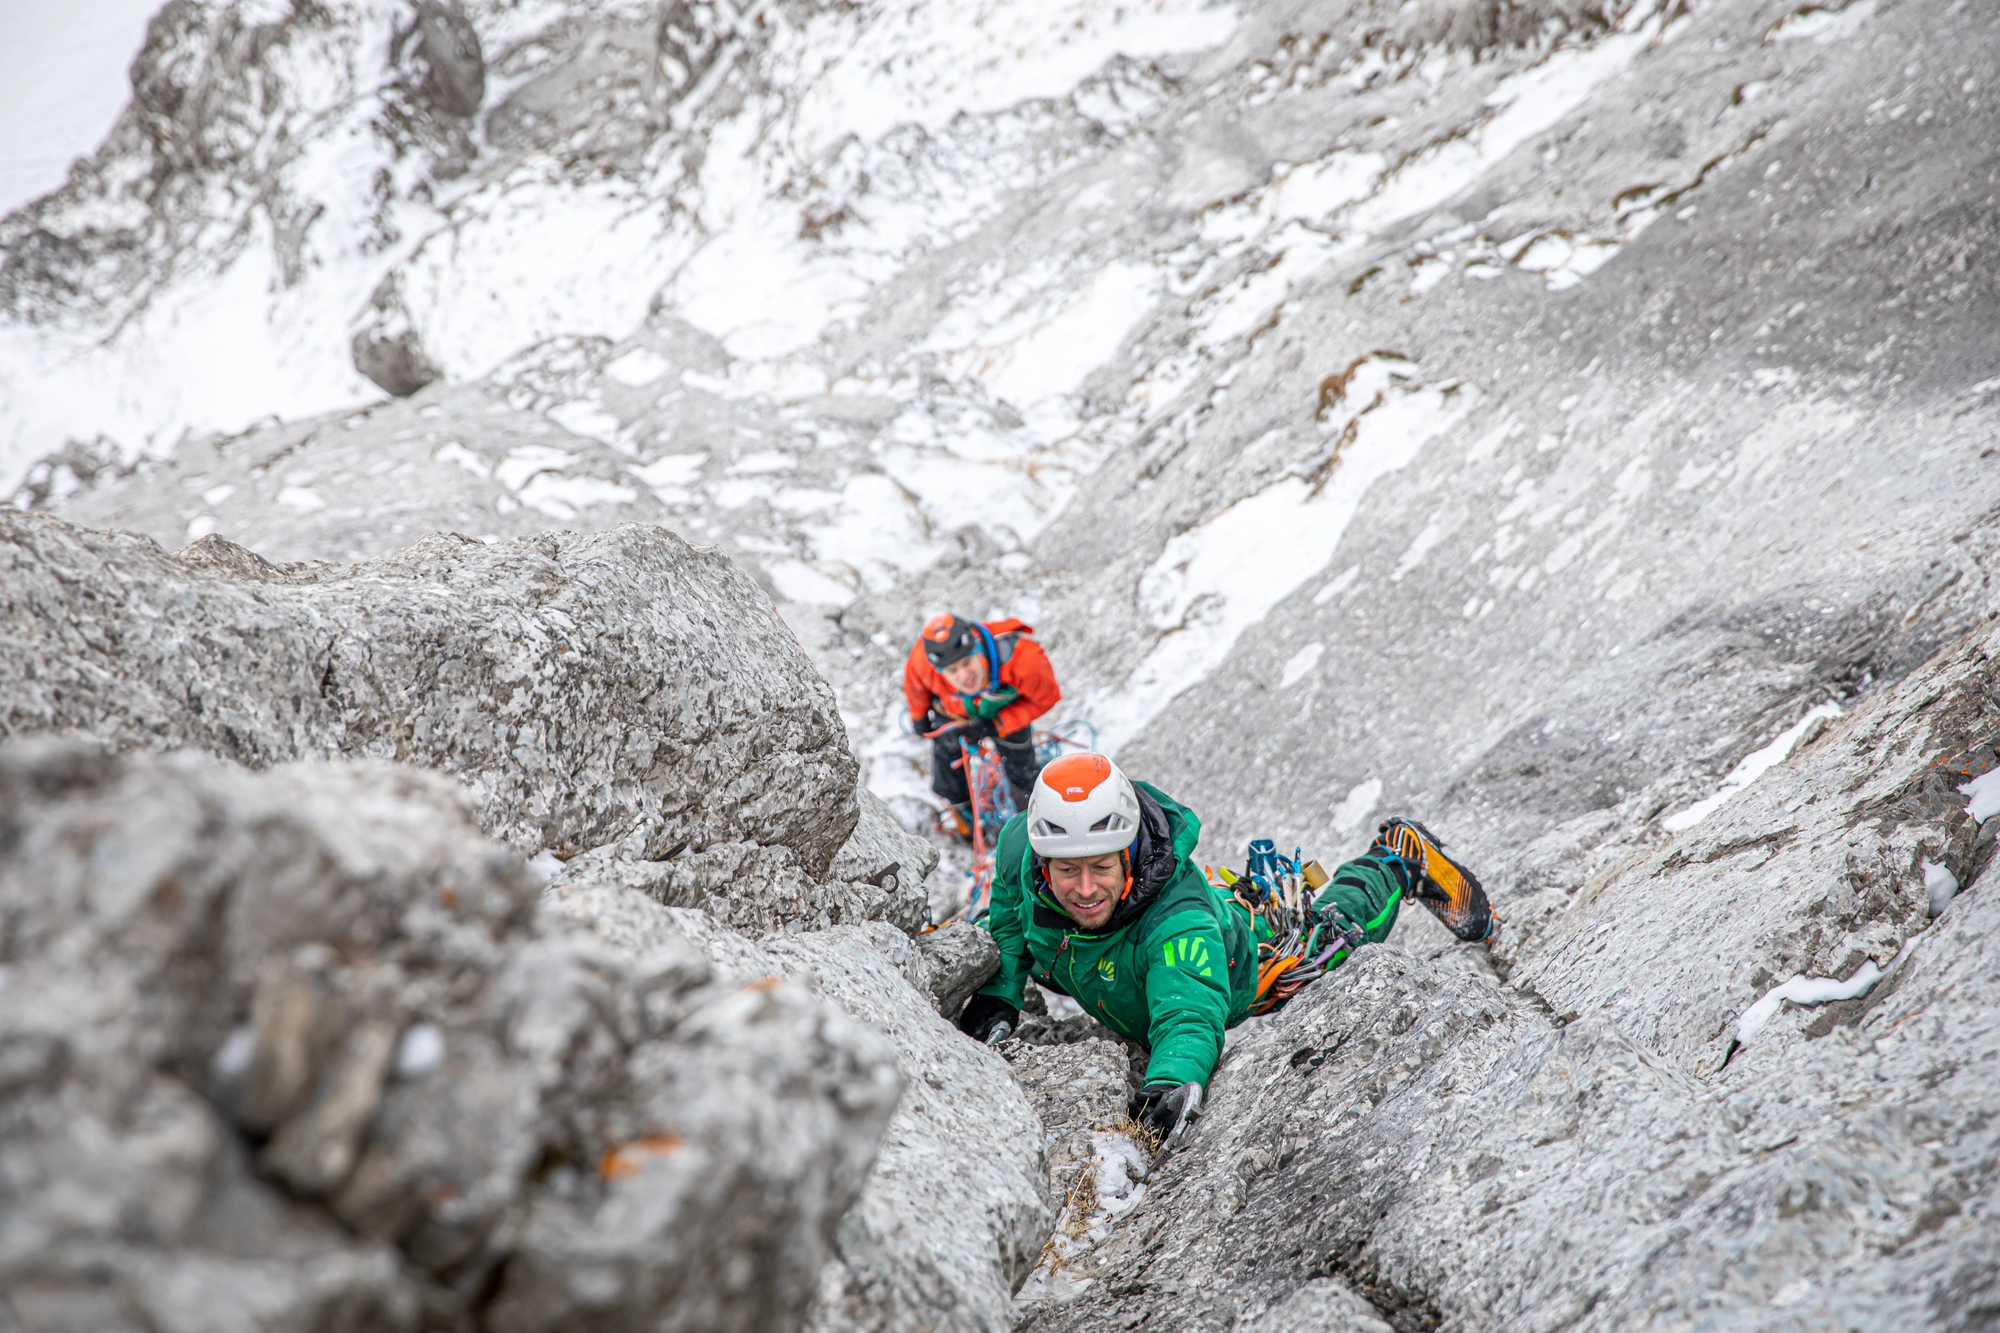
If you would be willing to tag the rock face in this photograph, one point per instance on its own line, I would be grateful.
(287, 1050)
(880, 852)
(621, 687)
(1075, 1087)
(1523, 416)
(1603, 1144)
(960, 958)
(956, 1208)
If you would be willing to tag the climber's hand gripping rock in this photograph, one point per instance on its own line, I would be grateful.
(988, 1019)
(1168, 1110)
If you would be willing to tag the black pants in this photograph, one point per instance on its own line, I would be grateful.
(1017, 756)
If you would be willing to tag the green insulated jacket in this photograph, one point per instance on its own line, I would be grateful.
(1173, 967)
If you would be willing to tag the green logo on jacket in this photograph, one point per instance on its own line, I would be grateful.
(1190, 952)
(1107, 969)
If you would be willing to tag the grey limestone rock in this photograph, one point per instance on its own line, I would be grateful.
(750, 888)
(959, 1203)
(961, 958)
(387, 349)
(957, 1206)
(288, 1050)
(588, 689)
(881, 852)
(454, 67)
(1075, 1087)
(1602, 1143)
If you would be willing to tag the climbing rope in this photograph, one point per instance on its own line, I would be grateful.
(1076, 736)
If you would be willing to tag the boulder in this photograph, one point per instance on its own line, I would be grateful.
(957, 1207)
(288, 1050)
(883, 853)
(959, 958)
(588, 689)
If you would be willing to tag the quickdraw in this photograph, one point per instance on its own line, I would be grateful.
(1297, 941)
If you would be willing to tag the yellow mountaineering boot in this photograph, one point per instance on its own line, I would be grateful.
(1451, 891)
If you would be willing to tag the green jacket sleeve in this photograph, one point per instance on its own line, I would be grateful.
(1187, 998)
(1005, 920)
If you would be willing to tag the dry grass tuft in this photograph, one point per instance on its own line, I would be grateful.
(1138, 1132)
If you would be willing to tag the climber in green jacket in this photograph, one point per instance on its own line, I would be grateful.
(1094, 895)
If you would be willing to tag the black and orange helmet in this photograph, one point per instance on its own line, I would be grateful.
(948, 639)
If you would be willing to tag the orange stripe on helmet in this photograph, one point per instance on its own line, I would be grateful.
(1075, 776)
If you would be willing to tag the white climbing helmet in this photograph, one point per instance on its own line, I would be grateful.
(1082, 806)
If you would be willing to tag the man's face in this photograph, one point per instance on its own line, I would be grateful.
(1087, 887)
(967, 675)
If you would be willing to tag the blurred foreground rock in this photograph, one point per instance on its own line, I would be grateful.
(287, 1050)
(957, 1206)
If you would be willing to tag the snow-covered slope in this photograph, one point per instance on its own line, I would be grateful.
(1345, 385)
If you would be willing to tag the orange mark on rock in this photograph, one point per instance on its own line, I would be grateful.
(629, 1159)
(770, 983)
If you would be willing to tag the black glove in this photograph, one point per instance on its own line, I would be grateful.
(1161, 1107)
(988, 1019)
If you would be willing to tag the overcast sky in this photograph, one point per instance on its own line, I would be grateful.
(63, 82)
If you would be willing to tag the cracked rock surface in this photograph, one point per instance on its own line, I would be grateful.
(1592, 1146)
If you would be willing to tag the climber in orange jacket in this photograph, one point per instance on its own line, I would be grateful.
(967, 681)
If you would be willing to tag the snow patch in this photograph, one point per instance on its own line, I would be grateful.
(1940, 885)
(1300, 663)
(1432, 534)
(232, 1059)
(1043, 351)
(797, 581)
(1984, 796)
(1353, 809)
(420, 1050)
(1801, 989)
(1104, 1192)
(534, 261)
(1748, 769)
(1215, 581)
(638, 367)
(588, 419)
(1526, 104)
(1816, 24)
(923, 62)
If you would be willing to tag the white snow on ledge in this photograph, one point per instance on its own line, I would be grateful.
(1984, 792)
(1748, 769)
(1801, 989)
